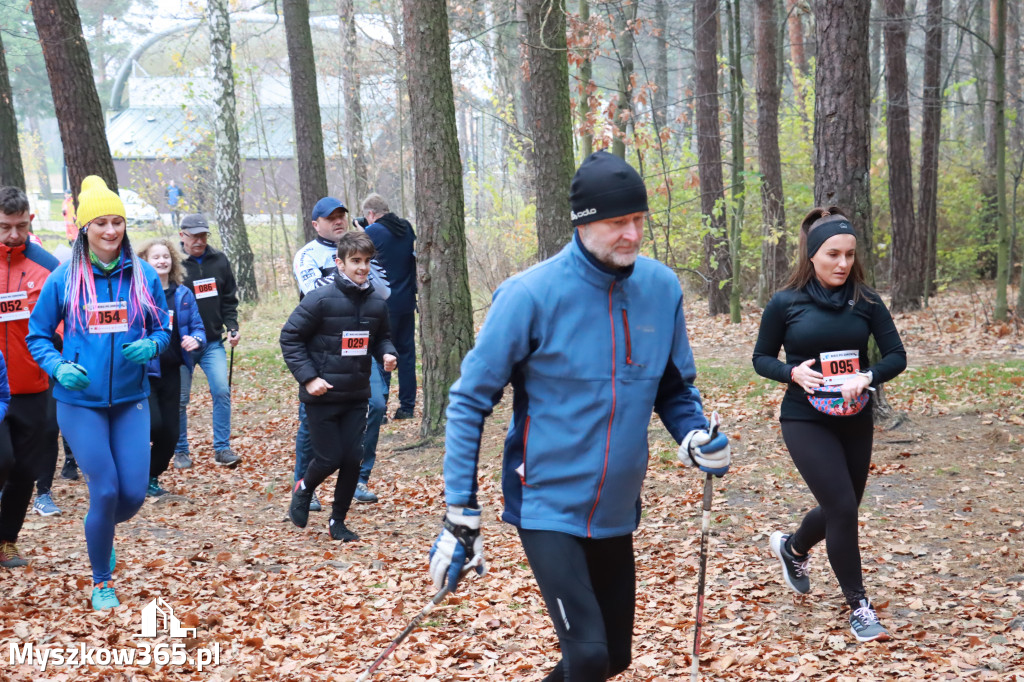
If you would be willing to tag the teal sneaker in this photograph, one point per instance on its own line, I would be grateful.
(103, 597)
(154, 489)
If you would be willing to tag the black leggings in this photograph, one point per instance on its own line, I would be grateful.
(336, 430)
(833, 459)
(164, 417)
(589, 587)
(22, 450)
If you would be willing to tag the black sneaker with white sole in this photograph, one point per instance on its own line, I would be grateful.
(338, 531)
(864, 624)
(794, 570)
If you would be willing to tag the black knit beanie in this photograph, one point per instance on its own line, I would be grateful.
(605, 187)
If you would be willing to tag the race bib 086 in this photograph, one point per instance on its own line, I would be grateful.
(205, 288)
(838, 366)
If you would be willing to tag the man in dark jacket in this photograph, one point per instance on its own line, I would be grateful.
(395, 242)
(208, 274)
(327, 344)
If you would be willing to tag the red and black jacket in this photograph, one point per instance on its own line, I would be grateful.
(22, 268)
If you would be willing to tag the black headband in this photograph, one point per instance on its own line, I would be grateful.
(824, 228)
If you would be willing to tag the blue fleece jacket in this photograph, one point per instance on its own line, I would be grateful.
(113, 379)
(184, 322)
(589, 354)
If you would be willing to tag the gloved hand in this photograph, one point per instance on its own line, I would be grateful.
(709, 452)
(459, 547)
(71, 376)
(139, 352)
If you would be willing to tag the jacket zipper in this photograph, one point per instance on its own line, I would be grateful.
(110, 382)
(611, 416)
(629, 344)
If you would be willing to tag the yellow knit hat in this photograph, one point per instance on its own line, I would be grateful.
(96, 200)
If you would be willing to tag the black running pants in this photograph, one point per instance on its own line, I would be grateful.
(22, 450)
(336, 430)
(833, 459)
(164, 417)
(589, 587)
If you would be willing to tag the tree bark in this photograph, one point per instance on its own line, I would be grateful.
(659, 99)
(39, 160)
(795, 25)
(551, 123)
(773, 213)
(999, 102)
(907, 248)
(625, 15)
(586, 83)
(79, 115)
(709, 156)
(227, 184)
(737, 106)
(11, 171)
(842, 134)
(446, 315)
(309, 135)
(931, 128)
(353, 102)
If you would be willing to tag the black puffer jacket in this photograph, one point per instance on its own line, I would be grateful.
(311, 340)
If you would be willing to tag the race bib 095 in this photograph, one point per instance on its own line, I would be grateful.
(838, 366)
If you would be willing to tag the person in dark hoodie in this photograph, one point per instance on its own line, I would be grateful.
(395, 240)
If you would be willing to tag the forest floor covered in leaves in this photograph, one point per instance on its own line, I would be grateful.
(940, 535)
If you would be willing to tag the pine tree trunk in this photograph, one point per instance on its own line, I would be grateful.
(1002, 231)
(79, 115)
(907, 248)
(551, 123)
(586, 82)
(353, 102)
(227, 183)
(11, 171)
(737, 106)
(795, 25)
(709, 156)
(309, 135)
(931, 128)
(446, 315)
(625, 14)
(659, 99)
(773, 212)
(842, 134)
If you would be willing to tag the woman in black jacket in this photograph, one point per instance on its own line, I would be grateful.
(327, 343)
(823, 317)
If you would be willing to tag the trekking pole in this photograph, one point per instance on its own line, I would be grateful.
(438, 598)
(231, 364)
(705, 528)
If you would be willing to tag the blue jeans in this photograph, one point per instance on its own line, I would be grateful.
(403, 335)
(374, 416)
(214, 362)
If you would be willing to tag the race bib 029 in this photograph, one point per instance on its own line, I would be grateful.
(355, 343)
(14, 306)
(108, 318)
(205, 288)
(838, 366)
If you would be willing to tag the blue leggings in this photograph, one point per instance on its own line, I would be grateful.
(111, 445)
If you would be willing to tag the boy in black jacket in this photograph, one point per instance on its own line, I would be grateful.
(327, 342)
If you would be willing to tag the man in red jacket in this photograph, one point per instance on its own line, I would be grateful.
(24, 266)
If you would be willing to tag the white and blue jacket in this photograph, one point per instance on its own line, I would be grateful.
(589, 353)
(113, 379)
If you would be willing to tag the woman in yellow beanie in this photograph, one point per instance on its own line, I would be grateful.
(115, 320)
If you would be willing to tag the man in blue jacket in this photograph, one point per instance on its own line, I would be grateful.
(395, 241)
(592, 340)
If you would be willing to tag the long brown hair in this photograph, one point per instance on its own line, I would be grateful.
(177, 273)
(803, 271)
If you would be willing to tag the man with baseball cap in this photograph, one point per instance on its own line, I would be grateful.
(208, 274)
(588, 360)
(314, 266)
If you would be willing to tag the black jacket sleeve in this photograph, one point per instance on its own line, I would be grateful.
(229, 300)
(769, 342)
(302, 324)
(894, 356)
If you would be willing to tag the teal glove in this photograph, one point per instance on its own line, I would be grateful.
(71, 376)
(139, 352)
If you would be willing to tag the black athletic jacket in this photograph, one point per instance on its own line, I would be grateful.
(794, 321)
(313, 337)
(220, 311)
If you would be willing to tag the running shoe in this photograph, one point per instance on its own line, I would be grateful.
(154, 489)
(226, 458)
(402, 413)
(794, 570)
(298, 510)
(314, 503)
(340, 532)
(864, 624)
(182, 460)
(10, 557)
(69, 472)
(364, 494)
(103, 597)
(44, 505)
